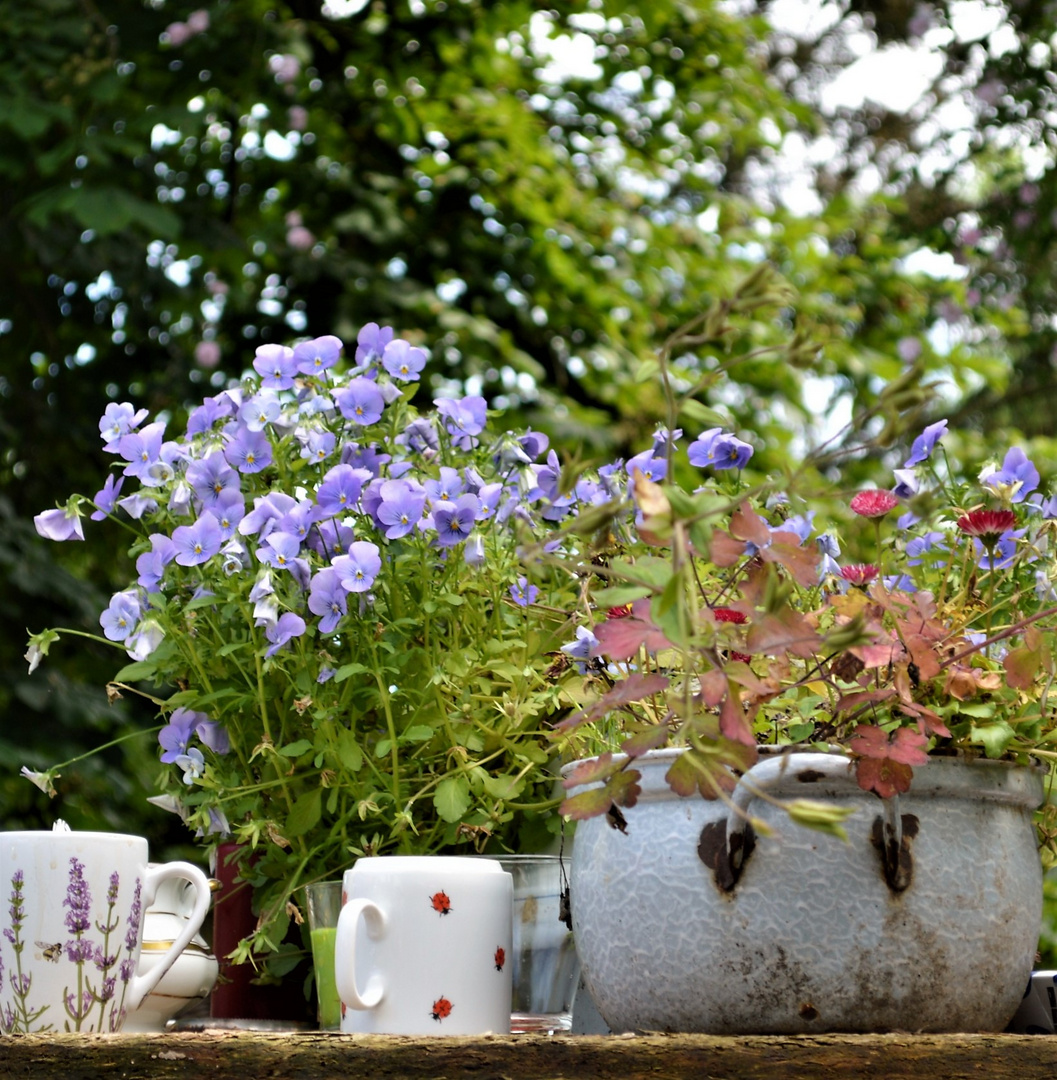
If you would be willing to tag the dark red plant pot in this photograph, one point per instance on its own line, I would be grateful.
(235, 996)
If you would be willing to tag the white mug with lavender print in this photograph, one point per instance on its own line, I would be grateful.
(71, 916)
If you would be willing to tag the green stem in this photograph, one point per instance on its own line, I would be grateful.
(390, 723)
(106, 746)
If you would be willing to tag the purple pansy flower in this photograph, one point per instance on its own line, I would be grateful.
(364, 457)
(1017, 469)
(285, 629)
(119, 419)
(266, 514)
(197, 543)
(137, 505)
(249, 451)
(120, 618)
(371, 342)
(183, 723)
(464, 418)
(652, 468)
(204, 416)
(327, 598)
(340, 490)
(403, 361)
(719, 450)
(921, 448)
(582, 649)
(261, 410)
(360, 402)
(400, 508)
(315, 356)
(61, 524)
(445, 489)
(280, 551)
(319, 445)
(330, 539)
(276, 366)
(420, 436)
(211, 477)
(106, 498)
(358, 569)
(229, 510)
(454, 521)
(151, 564)
(522, 593)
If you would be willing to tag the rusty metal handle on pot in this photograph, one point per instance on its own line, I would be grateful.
(727, 843)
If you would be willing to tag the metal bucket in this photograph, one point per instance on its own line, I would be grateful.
(926, 919)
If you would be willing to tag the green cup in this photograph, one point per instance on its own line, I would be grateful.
(323, 900)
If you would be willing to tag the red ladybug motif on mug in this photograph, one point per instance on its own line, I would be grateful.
(441, 903)
(500, 958)
(441, 1009)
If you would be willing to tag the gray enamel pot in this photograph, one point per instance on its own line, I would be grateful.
(926, 919)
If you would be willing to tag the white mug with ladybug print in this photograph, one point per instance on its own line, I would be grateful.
(423, 946)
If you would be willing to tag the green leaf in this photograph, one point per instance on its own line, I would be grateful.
(800, 732)
(296, 749)
(820, 816)
(305, 813)
(619, 595)
(994, 738)
(452, 798)
(504, 787)
(349, 753)
(136, 672)
(346, 671)
(417, 733)
(694, 414)
(980, 710)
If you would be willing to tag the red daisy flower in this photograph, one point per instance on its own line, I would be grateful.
(987, 525)
(873, 503)
(859, 573)
(729, 615)
(621, 612)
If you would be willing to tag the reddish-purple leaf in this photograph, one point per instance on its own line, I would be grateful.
(785, 631)
(801, 562)
(1022, 666)
(586, 804)
(590, 771)
(930, 721)
(733, 722)
(884, 776)
(711, 768)
(724, 550)
(859, 698)
(621, 639)
(869, 741)
(713, 686)
(908, 746)
(624, 788)
(746, 524)
(923, 653)
(634, 688)
(638, 744)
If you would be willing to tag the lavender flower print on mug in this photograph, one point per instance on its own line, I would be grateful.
(70, 942)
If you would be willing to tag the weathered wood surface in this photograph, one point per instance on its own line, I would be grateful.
(314, 1056)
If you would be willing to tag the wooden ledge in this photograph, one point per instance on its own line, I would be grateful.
(244, 1055)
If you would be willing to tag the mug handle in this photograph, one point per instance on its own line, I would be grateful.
(141, 985)
(345, 953)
